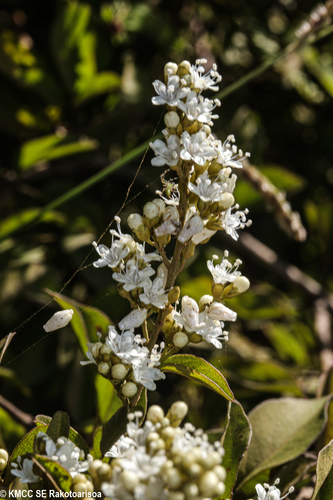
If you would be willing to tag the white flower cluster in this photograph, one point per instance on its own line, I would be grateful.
(188, 140)
(267, 492)
(69, 456)
(162, 461)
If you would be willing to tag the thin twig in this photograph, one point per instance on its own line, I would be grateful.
(19, 415)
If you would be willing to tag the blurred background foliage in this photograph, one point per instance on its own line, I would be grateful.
(76, 87)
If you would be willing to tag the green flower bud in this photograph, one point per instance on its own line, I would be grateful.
(227, 201)
(174, 294)
(177, 413)
(183, 68)
(118, 371)
(155, 414)
(240, 285)
(171, 119)
(180, 339)
(103, 368)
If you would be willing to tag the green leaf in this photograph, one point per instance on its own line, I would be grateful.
(51, 147)
(199, 370)
(59, 477)
(59, 426)
(282, 430)
(114, 428)
(96, 451)
(106, 81)
(107, 399)
(23, 447)
(25, 217)
(235, 440)
(324, 474)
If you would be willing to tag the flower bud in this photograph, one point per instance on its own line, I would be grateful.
(160, 205)
(94, 466)
(207, 484)
(155, 414)
(206, 128)
(177, 413)
(135, 221)
(220, 472)
(176, 495)
(227, 201)
(191, 490)
(118, 371)
(174, 478)
(167, 228)
(83, 487)
(240, 285)
(59, 320)
(171, 213)
(96, 348)
(205, 300)
(103, 368)
(220, 312)
(133, 320)
(183, 68)
(3, 459)
(105, 352)
(79, 478)
(189, 250)
(180, 339)
(192, 227)
(170, 69)
(129, 389)
(195, 338)
(171, 119)
(174, 294)
(129, 479)
(151, 214)
(104, 472)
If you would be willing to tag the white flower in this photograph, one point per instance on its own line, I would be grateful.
(225, 272)
(201, 80)
(169, 94)
(133, 320)
(24, 471)
(166, 153)
(233, 221)
(193, 226)
(198, 108)
(196, 148)
(211, 330)
(132, 277)
(119, 249)
(121, 448)
(68, 455)
(154, 294)
(272, 493)
(228, 155)
(145, 375)
(126, 346)
(189, 317)
(59, 320)
(208, 191)
(146, 257)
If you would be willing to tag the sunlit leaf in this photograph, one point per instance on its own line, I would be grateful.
(59, 477)
(324, 474)
(282, 429)
(235, 440)
(24, 217)
(198, 370)
(107, 400)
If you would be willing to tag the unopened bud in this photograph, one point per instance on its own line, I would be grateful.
(171, 119)
(183, 68)
(174, 294)
(155, 414)
(190, 311)
(177, 413)
(170, 69)
(207, 484)
(118, 371)
(240, 285)
(227, 201)
(104, 472)
(174, 478)
(96, 348)
(133, 320)
(94, 466)
(160, 205)
(171, 213)
(105, 352)
(192, 227)
(180, 339)
(79, 478)
(129, 389)
(205, 300)
(189, 250)
(135, 221)
(103, 368)
(59, 320)
(167, 228)
(220, 472)
(151, 214)
(130, 479)
(206, 128)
